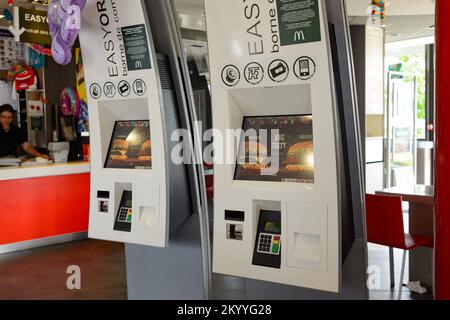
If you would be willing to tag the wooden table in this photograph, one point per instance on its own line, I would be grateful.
(421, 222)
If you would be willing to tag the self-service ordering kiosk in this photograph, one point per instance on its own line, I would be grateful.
(139, 95)
(289, 208)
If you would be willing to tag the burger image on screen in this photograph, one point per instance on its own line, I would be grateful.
(254, 156)
(146, 151)
(300, 157)
(119, 150)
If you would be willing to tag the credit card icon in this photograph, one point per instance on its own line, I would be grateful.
(124, 87)
(278, 70)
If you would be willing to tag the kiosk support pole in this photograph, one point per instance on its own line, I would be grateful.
(442, 193)
(202, 199)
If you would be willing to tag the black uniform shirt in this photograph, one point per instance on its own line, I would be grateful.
(10, 141)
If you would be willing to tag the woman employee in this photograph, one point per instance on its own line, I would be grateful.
(11, 137)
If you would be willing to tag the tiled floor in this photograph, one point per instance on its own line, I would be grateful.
(228, 288)
(41, 273)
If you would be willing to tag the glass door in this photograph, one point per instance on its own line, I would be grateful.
(401, 130)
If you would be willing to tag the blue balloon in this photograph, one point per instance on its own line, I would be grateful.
(8, 15)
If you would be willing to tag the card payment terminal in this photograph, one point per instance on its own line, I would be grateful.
(125, 214)
(267, 251)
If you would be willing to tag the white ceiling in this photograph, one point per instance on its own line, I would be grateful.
(190, 6)
(405, 19)
(354, 7)
(394, 7)
(399, 28)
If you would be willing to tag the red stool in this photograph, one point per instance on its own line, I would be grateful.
(384, 220)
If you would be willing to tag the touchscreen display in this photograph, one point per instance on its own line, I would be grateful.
(130, 146)
(276, 149)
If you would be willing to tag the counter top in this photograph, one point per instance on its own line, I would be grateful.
(46, 170)
(412, 193)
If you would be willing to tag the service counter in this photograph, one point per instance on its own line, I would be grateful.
(43, 205)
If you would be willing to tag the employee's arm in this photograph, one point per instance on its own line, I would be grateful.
(28, 148)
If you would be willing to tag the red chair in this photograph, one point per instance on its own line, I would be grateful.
(209, 180)
(384, 220)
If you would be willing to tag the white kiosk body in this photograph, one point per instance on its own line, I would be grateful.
(113, 98)
(138, 94)
(271, 69)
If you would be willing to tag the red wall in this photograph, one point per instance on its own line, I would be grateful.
(43, 207)
(442, 193)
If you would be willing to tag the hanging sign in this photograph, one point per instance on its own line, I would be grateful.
(31, 26)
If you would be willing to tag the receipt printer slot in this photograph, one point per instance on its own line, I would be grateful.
(232, 215)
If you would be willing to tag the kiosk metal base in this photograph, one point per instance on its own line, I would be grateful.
(172, 273)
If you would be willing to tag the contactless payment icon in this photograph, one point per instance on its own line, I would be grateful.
(304, 68)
